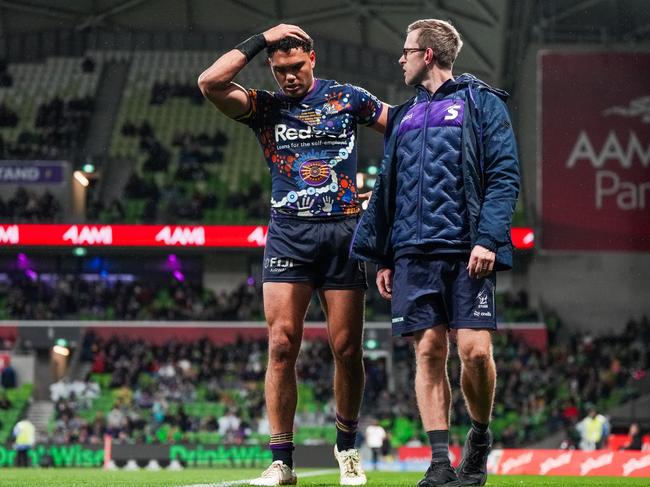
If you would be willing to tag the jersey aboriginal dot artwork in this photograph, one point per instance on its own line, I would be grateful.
(310, 145)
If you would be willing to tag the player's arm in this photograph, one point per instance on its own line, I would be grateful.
(216, 82)
(369, 110)
(217, 86)
(382, 120)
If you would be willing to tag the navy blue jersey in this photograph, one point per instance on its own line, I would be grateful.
(310, 146)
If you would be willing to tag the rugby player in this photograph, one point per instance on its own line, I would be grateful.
(307, 130)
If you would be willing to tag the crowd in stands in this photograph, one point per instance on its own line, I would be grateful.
(162, 91)
(186, 195)
(71, 297)
(26, 297)
(28, 207)
(539, 392)
(60, 125)
(195, 150)
(151, 384)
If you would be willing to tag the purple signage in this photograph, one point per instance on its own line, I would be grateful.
(31, 172)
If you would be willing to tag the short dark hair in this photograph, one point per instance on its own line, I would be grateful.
(287, 43)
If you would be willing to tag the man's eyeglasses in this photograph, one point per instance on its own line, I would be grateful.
(406, 50)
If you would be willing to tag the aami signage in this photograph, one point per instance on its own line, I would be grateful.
(595, 151)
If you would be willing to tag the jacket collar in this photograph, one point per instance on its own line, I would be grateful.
(452, 85)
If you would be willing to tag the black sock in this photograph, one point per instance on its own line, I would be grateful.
(439, 441)
(346, 432)
(479, 430)
(281, 446)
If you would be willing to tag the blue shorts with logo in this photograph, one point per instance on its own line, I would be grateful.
(315, 251)
(436, 290)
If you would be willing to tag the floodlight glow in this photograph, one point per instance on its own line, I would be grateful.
(83, 180)
(59, 350)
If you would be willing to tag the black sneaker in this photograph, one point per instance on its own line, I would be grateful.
(473, 467)
(438, 474)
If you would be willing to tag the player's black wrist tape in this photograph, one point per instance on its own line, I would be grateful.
(252, 46)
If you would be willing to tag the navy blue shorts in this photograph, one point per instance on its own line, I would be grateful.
(315, 252)
(431, 291)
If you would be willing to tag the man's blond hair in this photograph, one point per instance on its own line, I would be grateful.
(441, 37)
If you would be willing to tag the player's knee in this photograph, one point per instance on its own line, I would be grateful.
(476, 356)
(347, 352)
(282, 350)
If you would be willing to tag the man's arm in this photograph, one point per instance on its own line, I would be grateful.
(216, 82)
(501, 172)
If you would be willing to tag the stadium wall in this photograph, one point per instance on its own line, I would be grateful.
(591, 290)
(224, 271)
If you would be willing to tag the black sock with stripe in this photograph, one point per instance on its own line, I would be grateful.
(439, 441)
(346, 432)
(281, 445)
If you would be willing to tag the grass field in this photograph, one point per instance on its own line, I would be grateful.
(236, 477)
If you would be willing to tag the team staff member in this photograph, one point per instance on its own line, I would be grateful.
(439, 224)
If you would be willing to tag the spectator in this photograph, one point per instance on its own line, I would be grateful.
(375, 436)
(593, 429)
(27, 206)
(635, 438)
(88, 65)
(115, 421)
(229, 423)
(24, 435)
(8, 377)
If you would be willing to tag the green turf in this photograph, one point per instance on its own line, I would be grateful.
(98, 478)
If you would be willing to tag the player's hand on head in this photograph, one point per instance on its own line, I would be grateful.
(481, 262)
(384, 282)
(274, 34)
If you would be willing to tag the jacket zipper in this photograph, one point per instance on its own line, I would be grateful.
(422, 149)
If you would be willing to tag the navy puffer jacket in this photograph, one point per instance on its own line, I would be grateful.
(431, 215)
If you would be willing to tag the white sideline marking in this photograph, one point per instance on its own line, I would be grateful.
(232, 483)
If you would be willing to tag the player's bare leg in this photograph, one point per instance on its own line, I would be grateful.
(478, 381)
(433, 393)
(344, 311)
(285, 306)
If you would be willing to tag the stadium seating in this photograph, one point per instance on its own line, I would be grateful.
(171, 116)
(37, 84)
(534, 391)
(67, 296)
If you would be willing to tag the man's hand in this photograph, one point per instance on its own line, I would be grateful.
(385, 283)
(274, 34)
(481, 262)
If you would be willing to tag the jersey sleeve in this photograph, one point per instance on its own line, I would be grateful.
(365, 106)
(260, 106)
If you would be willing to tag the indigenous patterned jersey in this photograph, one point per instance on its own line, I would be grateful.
(310, 146)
